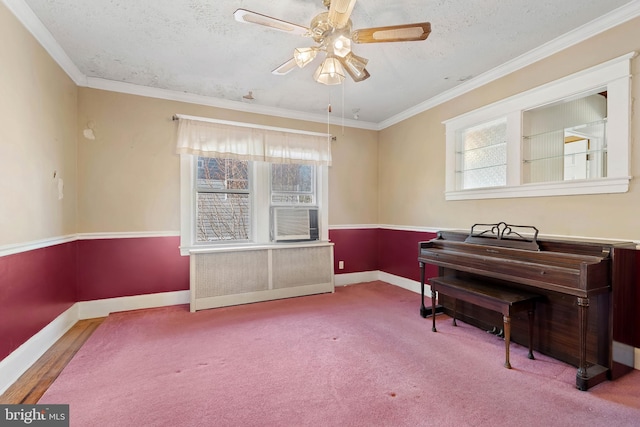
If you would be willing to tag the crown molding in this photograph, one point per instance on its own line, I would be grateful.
(612, 19)
(31, 22)
(190, 98)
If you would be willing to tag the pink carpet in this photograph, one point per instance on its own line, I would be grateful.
(360, 357)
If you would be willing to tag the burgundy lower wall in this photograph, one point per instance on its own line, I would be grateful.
(371, 249)
(109, 268)
(636, 342)
(398, 253)
(357, 247)
(35, 288)
(39, 285)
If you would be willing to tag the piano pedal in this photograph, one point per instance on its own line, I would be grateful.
(493, 331)
(500, 334)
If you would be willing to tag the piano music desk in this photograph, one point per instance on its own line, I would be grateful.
(503, 300)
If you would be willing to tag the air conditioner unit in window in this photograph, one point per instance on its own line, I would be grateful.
(294, 224)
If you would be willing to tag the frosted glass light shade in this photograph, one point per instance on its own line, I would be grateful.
(341, 46)
(354, 65)
(304, 55)
(330, 72)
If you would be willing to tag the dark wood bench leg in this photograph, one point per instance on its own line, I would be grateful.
(455, 311)
(507, 339)
(433, 304)
(530, 313)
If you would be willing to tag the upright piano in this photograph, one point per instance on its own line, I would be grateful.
(586, 315)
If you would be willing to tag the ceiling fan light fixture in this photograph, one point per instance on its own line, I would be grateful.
(330, 72)
(354, 65)
(341, 46)
(304, 55)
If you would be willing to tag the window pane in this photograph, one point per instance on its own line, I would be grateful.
(486, 177)
(222, 216)
(482, 157)
(292, 184)
(551, 135)
(222, 174)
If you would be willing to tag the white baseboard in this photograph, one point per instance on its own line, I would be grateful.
(353, 278)
(370, 276)
(15, 364)
(102, 307)
(411, 285)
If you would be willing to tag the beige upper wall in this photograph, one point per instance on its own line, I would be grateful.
(38, 104)
(412, 174)
(129, 178)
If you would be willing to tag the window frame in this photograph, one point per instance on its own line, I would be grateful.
(313, 193)
(260, 205)
(226, 191)
(614, 75)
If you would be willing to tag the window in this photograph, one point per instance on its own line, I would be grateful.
(566, 140)
(293, 184)
(482, 156)
(228, 201)
(223, 208)
(236, 178)
(568, 137)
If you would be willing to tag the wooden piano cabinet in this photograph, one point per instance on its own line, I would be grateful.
(588, 290)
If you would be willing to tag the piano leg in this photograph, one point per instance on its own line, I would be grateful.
(507, 339)
(587, 376)
(530, 313)
(433, 304)
(423, 309)
(583, 311)
(455, 311)
(427, 311)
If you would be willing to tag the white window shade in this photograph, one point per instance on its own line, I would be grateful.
(242, 141)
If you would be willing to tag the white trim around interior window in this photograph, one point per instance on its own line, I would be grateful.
(614, 75)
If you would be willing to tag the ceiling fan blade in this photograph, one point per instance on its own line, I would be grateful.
(394, 33)
(249, 17)
(340, 12)
(285, 68)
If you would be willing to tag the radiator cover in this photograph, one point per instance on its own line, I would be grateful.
(230, 276)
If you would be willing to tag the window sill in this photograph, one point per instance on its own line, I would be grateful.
(200, 249)
(577, 187)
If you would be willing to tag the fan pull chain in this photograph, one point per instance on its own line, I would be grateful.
(343, 84)
(329, 120)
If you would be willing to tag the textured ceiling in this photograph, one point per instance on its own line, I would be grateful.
(196, 47)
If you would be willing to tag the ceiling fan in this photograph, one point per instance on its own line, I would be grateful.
(332, 32)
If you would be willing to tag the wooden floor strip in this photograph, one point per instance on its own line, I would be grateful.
(30, 387)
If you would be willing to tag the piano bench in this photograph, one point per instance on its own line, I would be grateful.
(490, 296)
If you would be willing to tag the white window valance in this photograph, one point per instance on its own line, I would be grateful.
(234, 140)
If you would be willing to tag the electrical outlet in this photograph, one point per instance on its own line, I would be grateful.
(340, 265)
